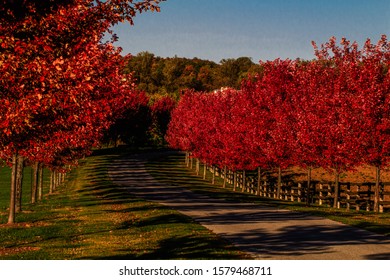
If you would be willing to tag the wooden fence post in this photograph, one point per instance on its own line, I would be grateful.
(381, 197)
(285, 191)
(234, 180)
(292, 195)
(279, 186)
(308, 191)
(357, 198)
(258, 181)
(224, 176)
(299, 192)
(368, 200)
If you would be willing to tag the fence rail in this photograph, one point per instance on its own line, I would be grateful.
(358, 196)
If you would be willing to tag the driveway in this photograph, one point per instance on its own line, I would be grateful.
(264, 232)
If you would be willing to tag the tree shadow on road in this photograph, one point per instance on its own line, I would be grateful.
(288, 243)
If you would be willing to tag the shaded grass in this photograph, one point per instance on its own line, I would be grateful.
(170, 169)
(91, 218)
(5, 181)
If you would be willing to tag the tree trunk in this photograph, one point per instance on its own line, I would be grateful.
(204, 171)
(197, 167)
(308, 192)
(243, 181)
(12, 203)
(224, 176)
(57, 180)
(34, 186)
(279, 187)
(377, 189)
(213, 175)
(116, 140)
(187, 159)
(258, 180)
(51, 186)
(40, 182)
(19, 183)
(336, 189)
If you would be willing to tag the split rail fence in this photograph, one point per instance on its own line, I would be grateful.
(358, 196)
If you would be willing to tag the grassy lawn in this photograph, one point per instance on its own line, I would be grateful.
(172, 171)
(91, 218)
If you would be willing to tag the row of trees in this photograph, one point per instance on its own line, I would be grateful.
(332, 112)
(171, 75)
(61, 86)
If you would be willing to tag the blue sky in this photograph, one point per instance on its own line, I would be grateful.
(260, 29)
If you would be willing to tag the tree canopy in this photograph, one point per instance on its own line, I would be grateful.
(155, 74)
(61, 86)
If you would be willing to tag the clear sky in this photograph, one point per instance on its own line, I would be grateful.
(260, 29)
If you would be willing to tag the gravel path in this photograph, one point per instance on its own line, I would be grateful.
(263, 232)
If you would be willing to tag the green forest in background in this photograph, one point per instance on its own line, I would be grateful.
(169, 76)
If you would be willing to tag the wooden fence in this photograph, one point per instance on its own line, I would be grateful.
(358, 196)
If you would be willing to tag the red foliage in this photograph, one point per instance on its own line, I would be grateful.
(179, 134)
(163, 104)
(60, 86)
(271, 128)
(331, 112)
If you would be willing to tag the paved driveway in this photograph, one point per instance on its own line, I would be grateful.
(264, 232)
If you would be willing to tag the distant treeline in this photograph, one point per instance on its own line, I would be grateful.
(168, 76)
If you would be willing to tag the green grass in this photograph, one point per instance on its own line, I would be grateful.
(91, 218)
(172, 171)
(5, 181)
